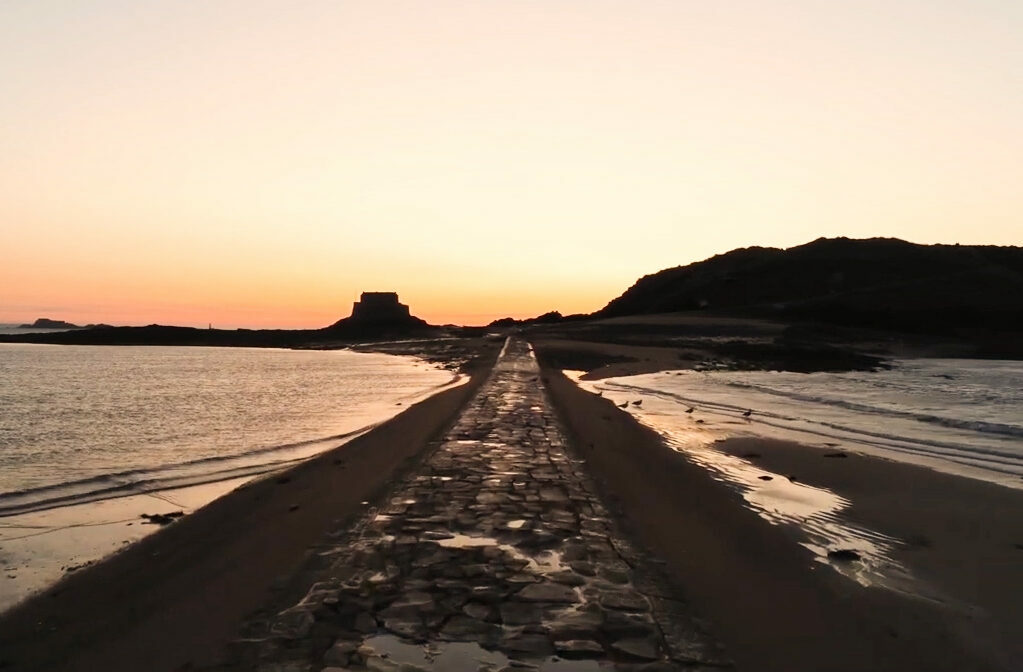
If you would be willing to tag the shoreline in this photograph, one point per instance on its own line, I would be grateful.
(42, 547)
(765, 596)
(50, 531)
(176, 597)
(956, 445)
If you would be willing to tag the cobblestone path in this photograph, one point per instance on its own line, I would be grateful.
(495, 554)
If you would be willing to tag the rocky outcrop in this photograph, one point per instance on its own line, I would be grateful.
(46, 323)
(882, 283)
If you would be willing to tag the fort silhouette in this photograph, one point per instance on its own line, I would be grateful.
(379, 307)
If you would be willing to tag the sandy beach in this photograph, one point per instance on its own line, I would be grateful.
(177, 599)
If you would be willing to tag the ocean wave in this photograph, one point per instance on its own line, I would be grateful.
(203, 471)
(954, 423)
(995, 458)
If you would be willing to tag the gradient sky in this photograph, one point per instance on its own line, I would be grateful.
(252, 163)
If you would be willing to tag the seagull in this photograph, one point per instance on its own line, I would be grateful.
(690, 409)
(623, 405)
(637, 403)
(748, 413)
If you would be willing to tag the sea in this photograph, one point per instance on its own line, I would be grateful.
(962, 416)
(93, 439)
(87, 423)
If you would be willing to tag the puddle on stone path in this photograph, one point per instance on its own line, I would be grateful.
(465, 541)
(544, 562)
(458, 656)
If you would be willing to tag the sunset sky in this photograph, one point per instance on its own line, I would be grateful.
(252, 163)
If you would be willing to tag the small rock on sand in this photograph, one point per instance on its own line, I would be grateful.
(162, 518)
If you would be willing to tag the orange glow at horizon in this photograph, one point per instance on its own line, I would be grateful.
(261, 164)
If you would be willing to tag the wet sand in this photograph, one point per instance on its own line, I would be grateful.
(961, 538)
(176, 598)
(765, 597)
(40, 547)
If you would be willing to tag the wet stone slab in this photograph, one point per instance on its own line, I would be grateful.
(494, 555)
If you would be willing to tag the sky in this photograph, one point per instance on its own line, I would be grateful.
(258, 164)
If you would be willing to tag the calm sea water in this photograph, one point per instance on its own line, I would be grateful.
(81, 423)
(963, 416)
(15, 329)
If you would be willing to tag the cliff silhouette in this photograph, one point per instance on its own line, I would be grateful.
(880, 283)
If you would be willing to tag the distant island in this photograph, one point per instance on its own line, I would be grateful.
(377, 316)
(46, 323)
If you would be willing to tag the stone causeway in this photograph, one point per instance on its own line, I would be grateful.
(494, 554)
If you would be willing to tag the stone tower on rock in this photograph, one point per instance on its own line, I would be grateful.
(379, 307)
(378, 314)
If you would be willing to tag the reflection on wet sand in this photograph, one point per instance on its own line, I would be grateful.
(860, 554)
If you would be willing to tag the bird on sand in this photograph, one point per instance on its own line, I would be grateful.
(637, 403)
(623, 405)
(748, 413)
(690, 409)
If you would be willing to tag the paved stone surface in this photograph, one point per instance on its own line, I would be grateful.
(496, 554)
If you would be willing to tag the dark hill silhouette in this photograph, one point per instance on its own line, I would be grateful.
(881, 283)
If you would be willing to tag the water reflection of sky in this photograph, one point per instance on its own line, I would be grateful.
(814, 513)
